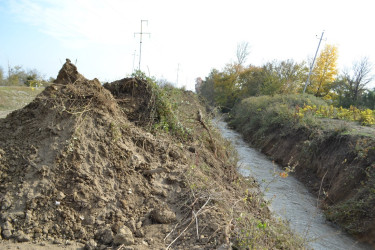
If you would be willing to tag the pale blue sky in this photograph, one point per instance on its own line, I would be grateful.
(197, 35)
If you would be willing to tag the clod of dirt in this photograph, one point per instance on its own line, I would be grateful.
(124, 236)
(163, 215)
(105, 236)
(91, 245)
(68, 74)
(22, 237)
(135, 98)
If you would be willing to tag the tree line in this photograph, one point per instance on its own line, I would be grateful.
(17, 76)
(235, 81)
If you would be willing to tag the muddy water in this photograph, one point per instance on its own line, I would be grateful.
(290, 200)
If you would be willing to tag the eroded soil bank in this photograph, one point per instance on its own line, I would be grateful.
(125, 165)
(336, 163)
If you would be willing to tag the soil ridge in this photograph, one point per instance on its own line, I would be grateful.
(85, 164)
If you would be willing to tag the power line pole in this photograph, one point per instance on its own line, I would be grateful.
(312, 65)
(140, 42)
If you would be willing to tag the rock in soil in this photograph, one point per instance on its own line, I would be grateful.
(124, 236)
(163, 215)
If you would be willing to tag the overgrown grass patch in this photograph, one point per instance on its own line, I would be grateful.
(265, 113)
(16, 97)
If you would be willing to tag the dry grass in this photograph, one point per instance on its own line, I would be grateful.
(16, 97)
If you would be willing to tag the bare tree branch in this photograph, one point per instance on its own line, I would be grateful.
(243, 50)
(360, 77)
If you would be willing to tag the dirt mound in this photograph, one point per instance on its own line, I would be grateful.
(74, 167)
(135, 98)
(69, 74)
(78, 164)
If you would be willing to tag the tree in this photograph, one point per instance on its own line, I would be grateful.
(226, 88)
(198, 85)
(271, 83)
(357, 80)
(243, 51)
(16, 76)
(283, 77)
(33, 79)
(292, 75)
(369, 99)
(206, 89)
(250, 81)
(324, 72)
(1, 76)
(277, 77)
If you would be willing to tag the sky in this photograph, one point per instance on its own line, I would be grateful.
(187, 38)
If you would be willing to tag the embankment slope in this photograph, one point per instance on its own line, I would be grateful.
(335, 159)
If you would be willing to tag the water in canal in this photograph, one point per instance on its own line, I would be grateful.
(290, 199)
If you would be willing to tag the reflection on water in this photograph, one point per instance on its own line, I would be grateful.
(290, 199)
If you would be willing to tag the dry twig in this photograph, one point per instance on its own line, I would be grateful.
(191, 221)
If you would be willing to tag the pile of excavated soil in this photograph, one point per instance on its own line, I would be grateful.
(73, 167)
(79, 167)
(76, 167)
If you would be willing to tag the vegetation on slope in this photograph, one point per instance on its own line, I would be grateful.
(334, 158)
(16, 97)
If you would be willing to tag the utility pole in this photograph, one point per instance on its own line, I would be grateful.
(312, 65)
(140, 42)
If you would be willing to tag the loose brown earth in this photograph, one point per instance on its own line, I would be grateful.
(80, 168)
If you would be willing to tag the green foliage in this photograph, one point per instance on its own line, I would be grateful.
(17, 76)
(351, 86)
(250, 81)
(164, 110)
(368, 99)
(284, 77)
(252, 232)
(264, 113)
(206, 88)
(1, 76)
(365, 117)
(227, 87)
(349, 214)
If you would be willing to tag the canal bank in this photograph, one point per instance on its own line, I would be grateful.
(333, 158)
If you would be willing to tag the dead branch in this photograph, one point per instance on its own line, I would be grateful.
(200, 120)
(191, 221)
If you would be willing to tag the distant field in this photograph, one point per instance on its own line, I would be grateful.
(12, 98)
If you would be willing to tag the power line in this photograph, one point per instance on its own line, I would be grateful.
(312, 65)
(140, 41)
